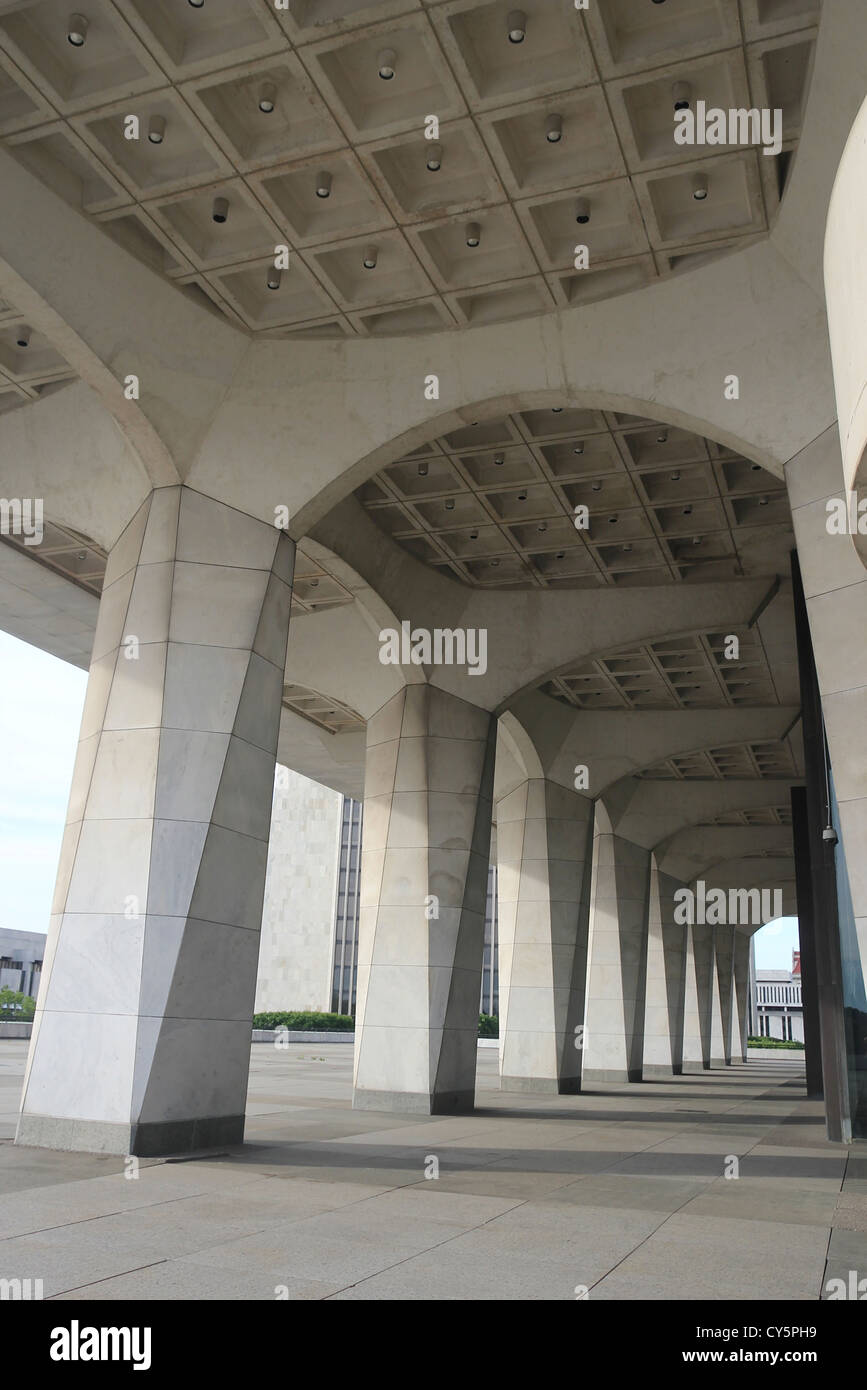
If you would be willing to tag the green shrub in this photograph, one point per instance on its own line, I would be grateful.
(23, 1015)
(298, 1022)
(776, 1042)
(306, 1022)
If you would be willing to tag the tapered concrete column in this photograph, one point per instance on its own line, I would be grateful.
(720, 996)
(724, 981)
(427, 834)
(698, 984)
(664, 1001)
(831, 585)
(805, 889)
(614, 1034)
(835, 588)
(544, 848)
(740, 995)
(141, 1042)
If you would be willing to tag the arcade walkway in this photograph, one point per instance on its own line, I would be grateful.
(620, 1190)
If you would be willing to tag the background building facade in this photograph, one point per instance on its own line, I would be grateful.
(309, 953)
(777, 1005)
(301, 888)
(21, 956)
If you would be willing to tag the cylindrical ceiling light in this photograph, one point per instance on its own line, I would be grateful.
(435, 158)
(323, 184)
(157, 129)
(582, 211)
(554, 129)
(220, 209)
(681, 93)
(474, 234)
(699, 187)
(275, 275)
(517, 26)
(267, 97)
(76, 30)
(386, 62)
(371, 256)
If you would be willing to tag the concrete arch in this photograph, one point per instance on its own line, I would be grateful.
(520, 745)
(648, 353)
(846, 296)
(517, 760)
(653, 817)
(347, 667)
(494, 408)
(662, 634)
(54, 266)
(41, 456)
(603, 823)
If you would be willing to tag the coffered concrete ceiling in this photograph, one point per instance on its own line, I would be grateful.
(30, 365)
(493, 504)
(691, 672)
(53, 603)
(66, 552)
(198, 76)
(734, 762)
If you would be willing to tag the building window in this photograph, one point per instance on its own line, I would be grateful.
(345, 972)
(346, 917)
(490, 1000)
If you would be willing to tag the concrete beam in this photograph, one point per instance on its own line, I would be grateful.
(651, 815)
(531, 634)
(690, 853)
(613, 744)
(56, 265)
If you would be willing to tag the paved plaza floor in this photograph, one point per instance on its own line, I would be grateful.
(620, 1191)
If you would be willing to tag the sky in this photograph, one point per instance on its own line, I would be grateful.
(41, 699)
(775, 944)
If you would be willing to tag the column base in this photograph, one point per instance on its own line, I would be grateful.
(542, 1085)
(654, 1071)
(150, 1140)
(719, 1061)
(606, 1077)
(693, 1068)
(415, 1102)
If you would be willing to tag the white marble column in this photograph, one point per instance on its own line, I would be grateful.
(717, 1015)
(835, 589)
(664, 1000)
(724, 982)
(698, 983)
(741, 989)
(614, 1034)
(141, 1042)
(544, 848)
(424, 871)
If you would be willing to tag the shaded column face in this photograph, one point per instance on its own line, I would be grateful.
(664, 997)
(614, 1034)
(829, 525)
(722, 1014)
(741, 989)
(141, 1043)
(427, 834)
(697, 998)
(544, 848)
